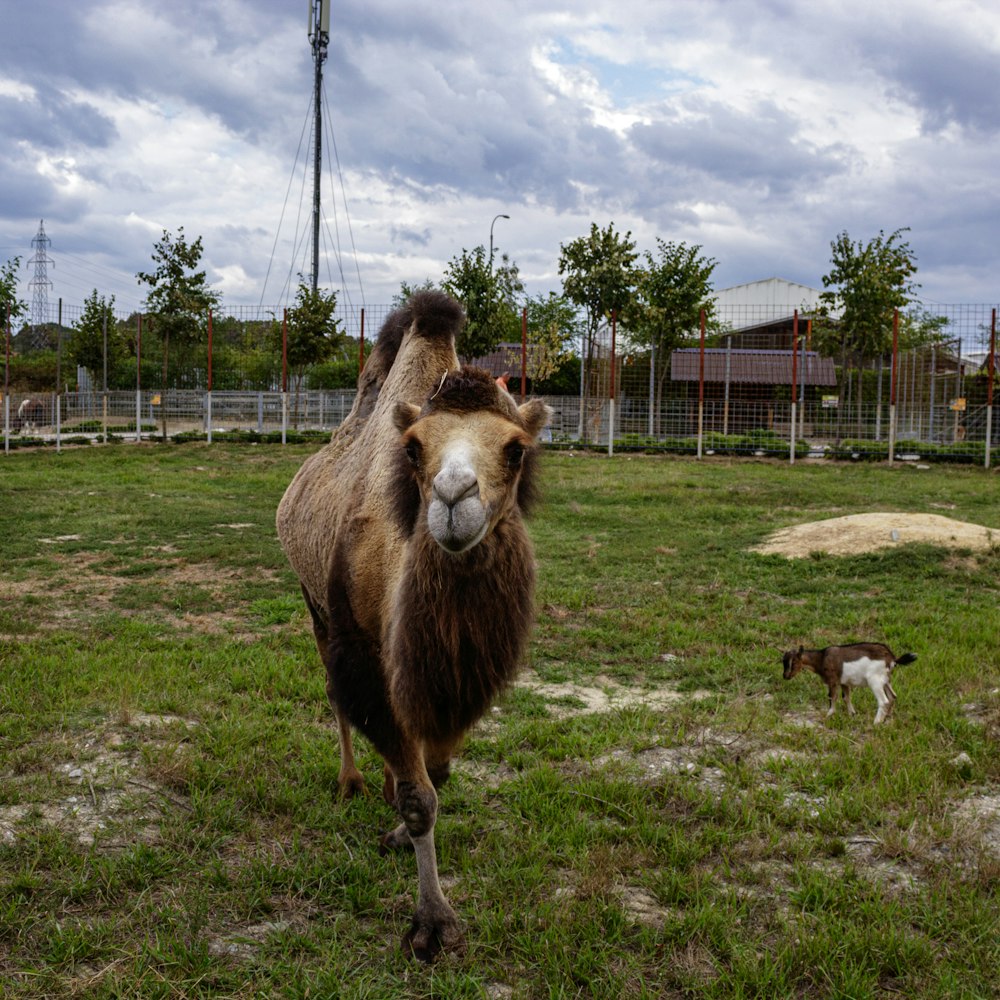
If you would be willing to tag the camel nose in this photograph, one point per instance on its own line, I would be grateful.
(454, 483)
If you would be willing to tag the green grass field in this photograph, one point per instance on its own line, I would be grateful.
(652, 812)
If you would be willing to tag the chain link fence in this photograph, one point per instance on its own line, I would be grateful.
(763, 380)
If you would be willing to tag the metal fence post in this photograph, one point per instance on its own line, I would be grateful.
(611, 397)
(892, 385)
(208, 396)
(284, 378)
(991, 374)
(138, 379)
(6, 385)
(701, 382)
(794, 387)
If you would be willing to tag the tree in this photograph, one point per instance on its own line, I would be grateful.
(406, 290)
(179, 297)
(8, 293)
(95, 327)
(489, 297)
(867, 283)
(671, 293)
(553, 325)
(599, 276)
(314, 333)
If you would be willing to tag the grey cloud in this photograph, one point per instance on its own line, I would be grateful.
(408, 234)
(763, 150)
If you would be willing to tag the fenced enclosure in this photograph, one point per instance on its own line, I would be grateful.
(761, 379)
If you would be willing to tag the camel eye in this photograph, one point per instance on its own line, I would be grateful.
(413, 452)
(515, 454)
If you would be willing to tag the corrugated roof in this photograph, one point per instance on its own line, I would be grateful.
(753, 367)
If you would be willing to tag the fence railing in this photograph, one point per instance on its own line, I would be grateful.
(748, 427)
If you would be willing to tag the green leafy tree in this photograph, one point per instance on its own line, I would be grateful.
(314, 333)
(867, 282)
(672, 290)
(489, 296)
(553, 326)
(179, 297)
(599, 275)
(87, 340)
(406, 290)
(10, 305)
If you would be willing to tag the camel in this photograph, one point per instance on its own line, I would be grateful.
(407, 536)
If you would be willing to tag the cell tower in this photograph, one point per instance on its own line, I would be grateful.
(319, 37)
(40, 286)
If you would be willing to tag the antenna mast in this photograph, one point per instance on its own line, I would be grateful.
(39, 286)
(319, 37)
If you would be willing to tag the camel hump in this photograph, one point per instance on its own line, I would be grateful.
(431, 314)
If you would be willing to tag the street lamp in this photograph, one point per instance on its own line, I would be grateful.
(495, 217)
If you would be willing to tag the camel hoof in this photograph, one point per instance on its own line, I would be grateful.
(395, 840)
(428, 937)
(351, 787)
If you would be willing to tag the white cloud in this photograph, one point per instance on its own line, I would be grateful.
(756, 128)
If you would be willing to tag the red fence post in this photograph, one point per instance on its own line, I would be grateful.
(361, 348)
(795, 385)
(701, 382)
(208, 400)
(284, 376)
(209, 350)
(6, 385)
(138, 378)
(611, 398)
(892, 385)
(991, 376)
(524, 352)
(284, 352)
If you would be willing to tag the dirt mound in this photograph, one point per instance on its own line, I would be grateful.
(841, 536)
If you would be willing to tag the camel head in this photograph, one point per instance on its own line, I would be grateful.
(466, 459)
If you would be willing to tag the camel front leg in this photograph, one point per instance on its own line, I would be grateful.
(435, 926)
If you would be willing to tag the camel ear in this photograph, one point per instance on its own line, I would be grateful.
(535, 415)
(405, 415)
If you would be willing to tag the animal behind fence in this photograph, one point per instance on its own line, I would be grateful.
(29, 417)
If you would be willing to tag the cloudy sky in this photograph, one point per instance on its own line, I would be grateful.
(758, 129)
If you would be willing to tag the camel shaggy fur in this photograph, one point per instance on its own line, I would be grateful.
(406, 534)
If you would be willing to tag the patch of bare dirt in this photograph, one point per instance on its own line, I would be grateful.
(604, 695)
(642, 908)
(982, 814)
(80, 587)
(855, 533)
(100, 793)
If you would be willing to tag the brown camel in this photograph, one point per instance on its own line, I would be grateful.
(406, 533)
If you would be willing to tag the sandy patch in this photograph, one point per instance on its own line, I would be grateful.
(102, 794)
(839, 536)
(982, 813)
(606, 695)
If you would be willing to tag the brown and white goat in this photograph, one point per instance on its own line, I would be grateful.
(846, 667)
(406, 534)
